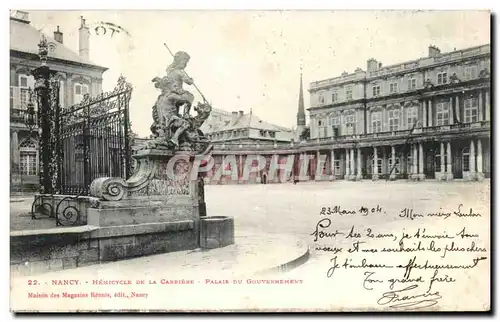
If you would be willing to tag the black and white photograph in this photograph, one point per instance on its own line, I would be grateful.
(250, 160)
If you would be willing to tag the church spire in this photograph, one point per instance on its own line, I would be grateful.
(301, 115)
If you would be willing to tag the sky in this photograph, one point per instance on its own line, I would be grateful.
(251, 60)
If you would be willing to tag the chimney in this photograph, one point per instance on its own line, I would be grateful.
(379, 65)
(234, 117)
(371, 65)
(241, 113)
(344, 74)
(434, 51)
(58, 36)
(83, 41)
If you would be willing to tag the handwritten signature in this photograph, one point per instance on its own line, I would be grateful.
(397, 299)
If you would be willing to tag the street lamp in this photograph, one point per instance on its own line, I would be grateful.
(29, 116)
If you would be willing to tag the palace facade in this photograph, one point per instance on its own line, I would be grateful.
(77, 76)
(428, 118)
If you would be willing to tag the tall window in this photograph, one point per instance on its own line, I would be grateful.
(442, 113)
(397, 167)
(23, 91)
(470, 72)
(336, 166)
(411, 116)
(321, 128)
(379, 164)
(393, 120)
(376, 90)
(28, 158)
(334, 123)
(465, 160)
(348, 93)
(470, 110)
(80, 91)
(349, 121)
(412, 83)
(335, 97)
(393, 87)
(376, 122)
(442, 78)
(437, 162)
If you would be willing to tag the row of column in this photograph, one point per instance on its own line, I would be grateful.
(416, 160)
(476, 160)
(353, 169)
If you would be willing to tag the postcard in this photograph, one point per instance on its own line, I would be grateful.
(250, 161)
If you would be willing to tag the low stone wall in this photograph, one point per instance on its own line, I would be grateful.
(35, 251)
(38, 251)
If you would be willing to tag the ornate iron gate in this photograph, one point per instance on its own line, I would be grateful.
(91, 140)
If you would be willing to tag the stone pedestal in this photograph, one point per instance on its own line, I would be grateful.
(157, 210)
(443, 176)
(217, 231)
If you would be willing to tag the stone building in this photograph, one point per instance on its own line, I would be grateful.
(77, 76)
(438, 105)
(428, 118)
(244, 134)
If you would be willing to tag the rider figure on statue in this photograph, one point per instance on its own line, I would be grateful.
(173, 97)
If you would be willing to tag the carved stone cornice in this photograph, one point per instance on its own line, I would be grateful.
(80, 79)
(376, 108)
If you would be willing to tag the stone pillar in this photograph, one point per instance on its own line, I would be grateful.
(424, 114)
(392, 173)
(429, 107)
(487, 105)
(375, 164)
(347, 164)
(442, 165)
(472, 161)
(450, 110)
(15, 149)
(359, 174)
(414, 167)
(332, 164)
(457, 108)
(240, 169)
(479, 160)
(352, 166)
(421, 175)
(449, 174)
(401, 118)
(481, 107)
(318, 173)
